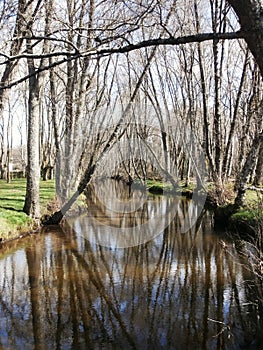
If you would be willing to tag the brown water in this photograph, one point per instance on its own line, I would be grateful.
(193, 290)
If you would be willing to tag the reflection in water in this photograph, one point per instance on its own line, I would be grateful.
(119, 216)
(61, 291)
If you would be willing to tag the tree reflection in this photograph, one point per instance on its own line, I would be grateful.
(176, 291)
(36, 294)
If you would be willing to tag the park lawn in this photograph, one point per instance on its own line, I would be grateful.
(13, 221)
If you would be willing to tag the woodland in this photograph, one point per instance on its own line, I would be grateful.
(133, 89)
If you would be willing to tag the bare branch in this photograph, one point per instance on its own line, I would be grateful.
(195, 38)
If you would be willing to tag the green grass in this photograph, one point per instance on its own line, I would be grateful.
(157, 186)
(252, 211)
(250, 216)
(13, 221)
(253, 198)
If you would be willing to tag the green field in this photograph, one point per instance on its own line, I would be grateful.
(13, 221)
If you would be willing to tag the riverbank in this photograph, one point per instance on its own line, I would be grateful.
(14, 223)
(245, 220)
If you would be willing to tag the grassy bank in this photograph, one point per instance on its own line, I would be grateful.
(248, 220)
(13, 222)
(246, 217)
(158, 187)
(245, 220)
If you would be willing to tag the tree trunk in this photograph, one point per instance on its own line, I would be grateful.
(250, 14)
(246, 170)
(8, 72)
(227, 155)
(56, 218)
(259, 168)
(31, 206)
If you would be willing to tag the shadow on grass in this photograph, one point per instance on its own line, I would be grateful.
(12, 199)
(11, 208)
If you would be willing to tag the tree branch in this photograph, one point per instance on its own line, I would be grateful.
(171, 41)
(195, 38)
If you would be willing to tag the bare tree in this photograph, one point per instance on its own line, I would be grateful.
(78, 46)
(10, 66)
(31, 205)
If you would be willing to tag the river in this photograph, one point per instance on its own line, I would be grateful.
(144, 279)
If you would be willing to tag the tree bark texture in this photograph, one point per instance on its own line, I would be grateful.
(250, 15)
(246, 170)
(31, 206)
(259, 168)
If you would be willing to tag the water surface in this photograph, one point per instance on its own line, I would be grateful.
(192, 290)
